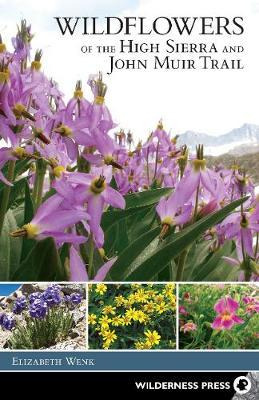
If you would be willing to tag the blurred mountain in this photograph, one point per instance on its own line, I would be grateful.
(238, 141)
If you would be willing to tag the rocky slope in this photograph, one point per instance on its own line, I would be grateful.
(77, 336)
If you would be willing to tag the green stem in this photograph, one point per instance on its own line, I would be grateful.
(39, 182)
(35, 187)
(6, 193)
(40, 188)
(181, 264)
(91, 258)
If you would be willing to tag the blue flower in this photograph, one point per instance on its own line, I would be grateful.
(76, 298)
(38, 309)
(7, 322)
(20, 305)
(35, 296)
(52, 295)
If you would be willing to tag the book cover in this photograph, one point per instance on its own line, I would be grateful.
(129, 208)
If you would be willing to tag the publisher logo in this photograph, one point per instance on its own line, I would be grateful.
(242, 385)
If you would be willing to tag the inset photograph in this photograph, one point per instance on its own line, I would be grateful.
(42, 316)
(219, 316)
(132, 316)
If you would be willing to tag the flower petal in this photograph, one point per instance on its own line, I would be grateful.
(227, 324)
(47, 208)
(231, 304)
(237, 319)
(217, 323)
(114, 198)
(220, 306)
(77, 268)
(103, 271)
(60, 220)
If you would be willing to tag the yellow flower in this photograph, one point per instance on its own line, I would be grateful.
(127, 304)
(106, 345)
(109, 336)
(153, 337)
(149, 307)
(140, 317)
(151, 293)
(159, 298)
(161, 307)
(139, 345)
(126, 320)
(119, 300)
(135, 315)
(131, 313)
(117, 320)
(101, 288)
(131, 299)
(146, 345)
(169, 287)
(141, 296)
(104, 321)
(92, 319)
(142, 345)
(173, 304)
(108, 310)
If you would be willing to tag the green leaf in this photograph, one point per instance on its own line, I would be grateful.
(136, 203)
(20, 167)
(112, 217)
(16, 192)
(199, 251)
(18, 213)
(28, 209)
(212, 262)
(240, 327)
(64, 258)
(146, 198)
(141, 222)
(27, 244)
(10, 248)
(121, 268)
(124, 231)
(42, 264)
(180, 241)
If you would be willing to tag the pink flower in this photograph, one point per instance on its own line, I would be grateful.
(188, 327)
(252, 304)
(51, 220)
(78, 271)
(226, 309)
(172, 212)
(94, 190)
(183, 311)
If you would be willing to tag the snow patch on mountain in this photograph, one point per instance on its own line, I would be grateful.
(238, 141)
